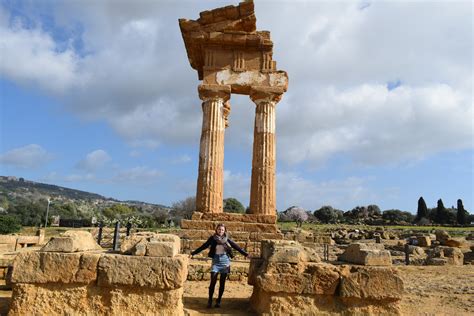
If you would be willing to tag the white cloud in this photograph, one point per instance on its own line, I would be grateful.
(237, 185)
(182, 159)
(80, 177)
(31, 56)
(374, 125)
(30, 156)
(140, 174)
(94, 160)
(293, 189)
(133, 72)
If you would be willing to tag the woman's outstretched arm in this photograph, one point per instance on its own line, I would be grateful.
(236, 247)
(203, 246)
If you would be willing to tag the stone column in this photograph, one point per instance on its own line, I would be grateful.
(262, 186)
(210, 185)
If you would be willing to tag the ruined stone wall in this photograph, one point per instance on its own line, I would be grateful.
(289, 279)
(93, 282)
(247, 230)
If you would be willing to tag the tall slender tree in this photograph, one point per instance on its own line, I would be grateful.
(461, 214)
(441, 216)
(422, 211)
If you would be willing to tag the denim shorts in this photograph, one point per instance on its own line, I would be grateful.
(220, 264)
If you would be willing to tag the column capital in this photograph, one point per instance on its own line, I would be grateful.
(214, 91)
(266, 94)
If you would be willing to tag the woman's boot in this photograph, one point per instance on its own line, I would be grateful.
(221, 289)
(212, 286)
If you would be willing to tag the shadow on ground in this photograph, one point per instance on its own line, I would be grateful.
(4, 305)
(229, 306)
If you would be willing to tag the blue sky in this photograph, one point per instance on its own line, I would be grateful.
(100, 97)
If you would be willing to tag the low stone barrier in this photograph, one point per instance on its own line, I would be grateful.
(14, 242)
(289, 279)
(367, 254)
(201, 271)
(96, 283)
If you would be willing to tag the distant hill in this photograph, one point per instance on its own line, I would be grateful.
(13, 188)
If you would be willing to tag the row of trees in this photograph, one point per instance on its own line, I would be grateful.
(373, 216)
(441, 214)
(27, 213)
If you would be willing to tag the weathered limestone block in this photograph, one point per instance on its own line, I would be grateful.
(233, 217)
(316, 278)
(367, 254)
(161, 249)
(374, 283)
(423, 241)
(8, 239)
(192, 233)
(72, 241)
(442, 236)
(416, 251)
(456, 242)
(443, 255)
(151, 244)
(65, 299)
(307, 288)
(7, 248)
(287, 251)
(54, 267)
(263, 236)
(194, 224)
(151, 272)
(324, 239)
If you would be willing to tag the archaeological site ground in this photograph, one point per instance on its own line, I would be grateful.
(309, 270)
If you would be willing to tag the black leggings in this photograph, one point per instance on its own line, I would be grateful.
(212, 286)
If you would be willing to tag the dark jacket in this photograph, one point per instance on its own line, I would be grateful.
(213, 243)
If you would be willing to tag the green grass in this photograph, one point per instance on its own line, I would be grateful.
(455, 231)
(330, 227)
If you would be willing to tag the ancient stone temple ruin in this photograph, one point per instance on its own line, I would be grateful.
(231, 56)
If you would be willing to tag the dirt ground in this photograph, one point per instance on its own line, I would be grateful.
(430, 290)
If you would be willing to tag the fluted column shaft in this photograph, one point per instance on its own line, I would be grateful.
(210, 184)
(262, 186)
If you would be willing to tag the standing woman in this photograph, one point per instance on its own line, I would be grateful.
(220, 253)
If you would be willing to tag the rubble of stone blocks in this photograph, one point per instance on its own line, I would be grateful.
(10, 243)
(303, 236)
(95, 282)
(247, 230)
(289, 280)
(367, 254)
(443, 255)
(151, 245)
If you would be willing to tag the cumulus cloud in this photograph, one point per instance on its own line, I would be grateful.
(182, 159)
(342, 193)
(94, 160)
(132, 71)
(294, 189)
(140, 174)
(27, 157)
(374, 125)
(237, 185)
(31, 56)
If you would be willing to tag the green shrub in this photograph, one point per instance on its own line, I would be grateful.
(9, 224)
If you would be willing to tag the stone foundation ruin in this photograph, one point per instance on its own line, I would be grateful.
(54, 281)
(291, 280)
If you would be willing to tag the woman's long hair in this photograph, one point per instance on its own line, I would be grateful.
(221, 225)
